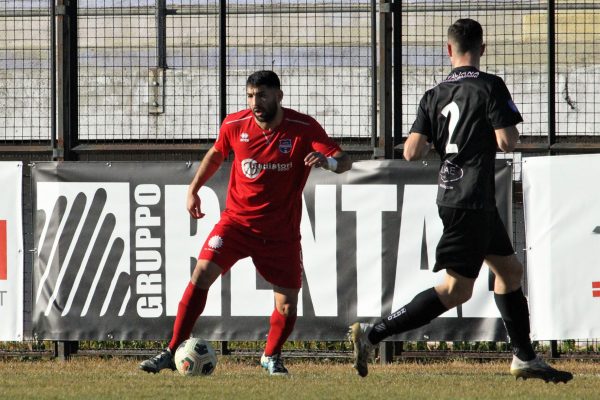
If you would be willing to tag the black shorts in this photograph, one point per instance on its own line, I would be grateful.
(469, 236)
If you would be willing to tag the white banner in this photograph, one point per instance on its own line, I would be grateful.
(11, 252)
(562, 223)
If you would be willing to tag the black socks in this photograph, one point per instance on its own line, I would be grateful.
(420, 311)
(515, 314)
(427, 306)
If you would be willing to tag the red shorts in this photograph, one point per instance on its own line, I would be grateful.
(278, 261)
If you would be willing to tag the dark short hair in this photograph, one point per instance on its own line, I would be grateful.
(264, 78)
(467, 34)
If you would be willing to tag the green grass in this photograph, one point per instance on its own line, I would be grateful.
(119, 378)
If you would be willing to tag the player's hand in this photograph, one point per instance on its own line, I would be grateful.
(193, 205)
(315, 159)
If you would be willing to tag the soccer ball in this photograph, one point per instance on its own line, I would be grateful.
(195, 357)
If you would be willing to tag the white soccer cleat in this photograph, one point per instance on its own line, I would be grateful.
(362, 347)
(273, 364)
(538, 369)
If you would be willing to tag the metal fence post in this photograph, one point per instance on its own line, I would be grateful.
(64, 104)
(386, 352)
(397, 72)
(551, 76)
(161, 33)
(66, 80)
(64, 349)
(222, 60)
(386, 145)
(374, 100)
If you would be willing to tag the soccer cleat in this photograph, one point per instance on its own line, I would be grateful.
(273, 364)
(362, 347)
(538, 369)
(162, 360)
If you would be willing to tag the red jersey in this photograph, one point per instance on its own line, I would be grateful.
(268, 172)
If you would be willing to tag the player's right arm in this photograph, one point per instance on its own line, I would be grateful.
(416, 147)
(507, 138)
(209, 165)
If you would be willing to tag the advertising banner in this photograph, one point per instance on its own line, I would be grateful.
(11, 252)
(562, 224)
(116, 247)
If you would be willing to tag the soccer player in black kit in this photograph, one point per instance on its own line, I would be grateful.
(466, 117)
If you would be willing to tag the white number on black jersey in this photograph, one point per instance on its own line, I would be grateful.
(454, 112)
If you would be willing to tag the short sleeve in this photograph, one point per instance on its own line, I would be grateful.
(223, 143)
(502, 111)
(422, 123)
(321, 142)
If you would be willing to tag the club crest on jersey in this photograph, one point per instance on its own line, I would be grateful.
(285, 145)
(244, 137)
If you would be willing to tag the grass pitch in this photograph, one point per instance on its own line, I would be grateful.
(119, 378)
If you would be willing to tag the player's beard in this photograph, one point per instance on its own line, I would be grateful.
(268, 112)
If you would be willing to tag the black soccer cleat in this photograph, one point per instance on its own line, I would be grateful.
(162, 360)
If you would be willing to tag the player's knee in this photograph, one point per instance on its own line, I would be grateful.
(512, 274)
(205, 273)
(461, 295)
(287, 309)
(455, 295)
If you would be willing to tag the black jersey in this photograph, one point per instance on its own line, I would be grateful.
(459, 117)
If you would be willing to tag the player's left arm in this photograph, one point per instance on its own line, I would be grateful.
(416, 147)
(504, 117)
(338, 162)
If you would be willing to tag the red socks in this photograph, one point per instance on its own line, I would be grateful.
(281, 327)
(190, 307)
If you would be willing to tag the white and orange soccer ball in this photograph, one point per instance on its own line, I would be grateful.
(195, 357)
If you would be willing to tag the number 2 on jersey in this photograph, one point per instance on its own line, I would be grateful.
(454, 112)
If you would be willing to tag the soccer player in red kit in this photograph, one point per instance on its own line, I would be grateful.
(275, 149)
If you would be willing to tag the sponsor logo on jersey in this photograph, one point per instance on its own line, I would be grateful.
(285, 145)
(3, 251)
(244, 137)
(215, 242)
(251, 168)
(455, 76)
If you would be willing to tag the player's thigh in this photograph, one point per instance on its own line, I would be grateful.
(223, 247)
(500, 243)
(501, 258)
